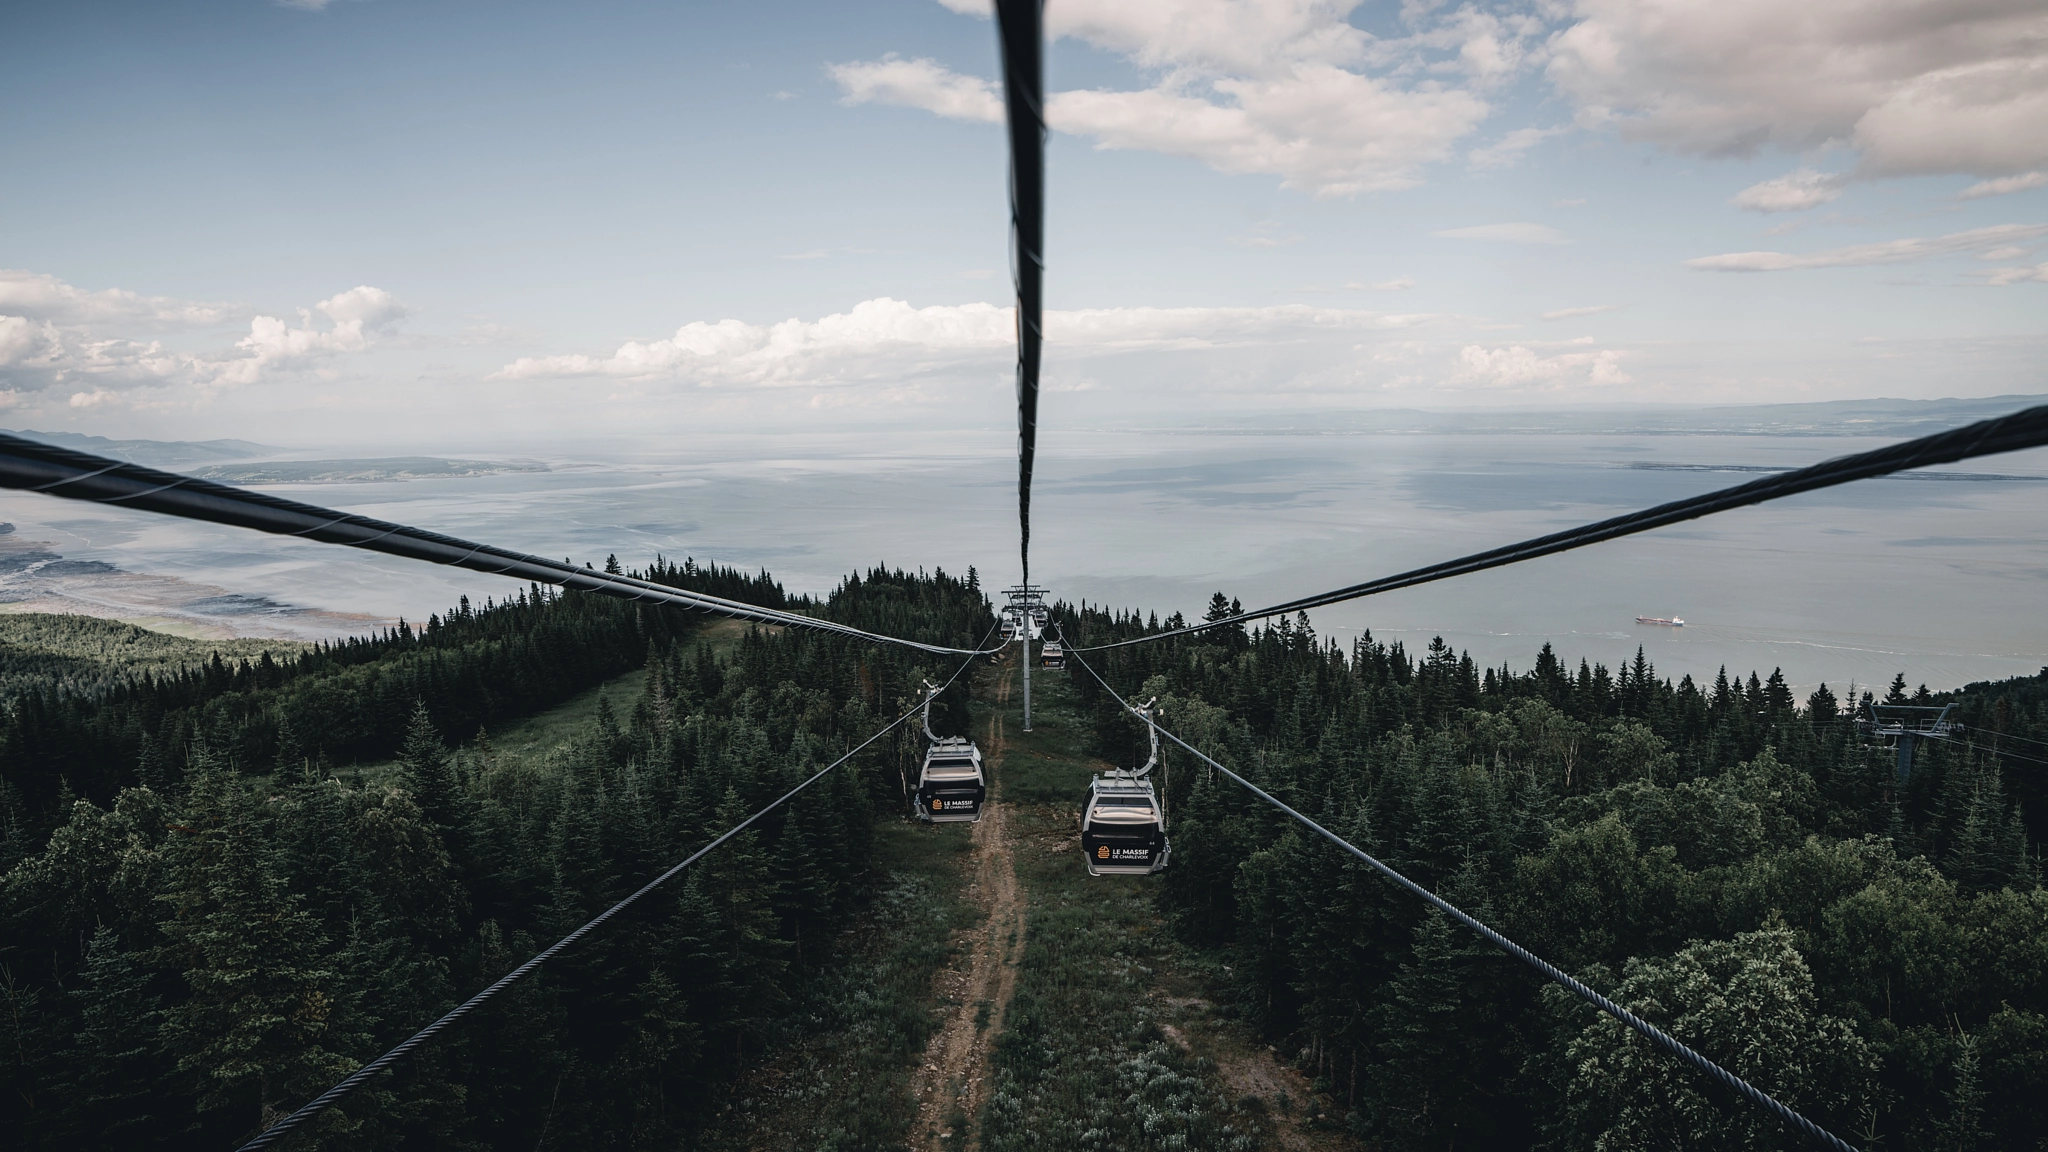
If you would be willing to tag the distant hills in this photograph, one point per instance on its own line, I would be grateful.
(236, 461)
(157, 453)
(358, 471)
(1880, 417)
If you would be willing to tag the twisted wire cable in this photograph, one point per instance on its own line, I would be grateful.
(2027, 428)
(1649, 1031)
(34, 467)
(1020, 29)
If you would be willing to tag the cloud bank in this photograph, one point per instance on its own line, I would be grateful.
(890, 339)
(1284, 87)
(1291, 88)
(120, 348)
(1916, 87)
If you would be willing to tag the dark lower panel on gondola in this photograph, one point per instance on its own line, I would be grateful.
(948, 805)
(1125, 855)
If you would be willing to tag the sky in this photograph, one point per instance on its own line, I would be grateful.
(444, 222)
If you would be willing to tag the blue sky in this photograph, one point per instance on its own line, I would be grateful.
(366, 217)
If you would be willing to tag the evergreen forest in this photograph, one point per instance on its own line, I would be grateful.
(225, 884)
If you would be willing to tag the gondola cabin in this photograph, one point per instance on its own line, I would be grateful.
(951, 787)
(1123, 827)
(1055, 656)
(1011, 627)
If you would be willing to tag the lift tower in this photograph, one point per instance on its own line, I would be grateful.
(1026, 601)
(1902, 726)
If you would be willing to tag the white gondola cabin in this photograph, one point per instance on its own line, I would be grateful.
(1054, 655)
(952, 786)
(1123, 827)
(1123, 821)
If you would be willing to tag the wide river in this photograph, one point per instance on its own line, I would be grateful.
(1943, 577)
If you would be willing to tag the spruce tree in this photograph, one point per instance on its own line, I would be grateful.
(112, 1065)
(429, 774)
(1420, 1085)
(258, 1032)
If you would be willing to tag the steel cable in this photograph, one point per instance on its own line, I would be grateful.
(54, 471)
(327, 1099)
(1986, 749)
(1649, 1031)
(2024, 429)
(1019, 28)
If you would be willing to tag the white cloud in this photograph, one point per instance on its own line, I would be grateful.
(1282, 87)
(53, 334)
(2000, 277)
(1291, 87)
(1884, 252)
(922, 83)
(889, 340)
(1916, 86)
(1521, 368)
(1588, 310)
(1507, 233)
(43, 297)
(1505, 152)
(2004, 185)
(1791, 192)
(357, 314)
(23, 341)
(363, 309)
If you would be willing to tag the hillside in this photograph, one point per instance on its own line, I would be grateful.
(85, 655)
(306, 862)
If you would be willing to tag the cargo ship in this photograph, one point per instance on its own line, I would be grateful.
(1669, 621)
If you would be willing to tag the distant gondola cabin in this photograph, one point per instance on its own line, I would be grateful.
(1055, 656)
(952, 786)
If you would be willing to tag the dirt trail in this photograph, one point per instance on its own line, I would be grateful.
(952, 1083)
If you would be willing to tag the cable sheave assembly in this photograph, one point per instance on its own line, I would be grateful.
(329, 1098)
(1649, 1031)
(35, 467)
(2027, 428)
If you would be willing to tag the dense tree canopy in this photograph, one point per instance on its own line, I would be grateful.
(231, 917)
(1734, 865)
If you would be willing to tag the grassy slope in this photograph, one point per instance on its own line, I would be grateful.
(1102, 1048)
(536, 737)
(1107, 1006)
(87, 654)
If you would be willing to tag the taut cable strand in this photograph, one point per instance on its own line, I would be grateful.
(327, 1099)
(2027, 428)
(1649, 1031)
(1019, 27)
(61, 472)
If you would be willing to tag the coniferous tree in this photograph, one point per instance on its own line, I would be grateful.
(112, 1064)
(267, 1022)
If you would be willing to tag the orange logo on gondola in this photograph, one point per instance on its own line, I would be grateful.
(1102, 853)
(935, 803)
